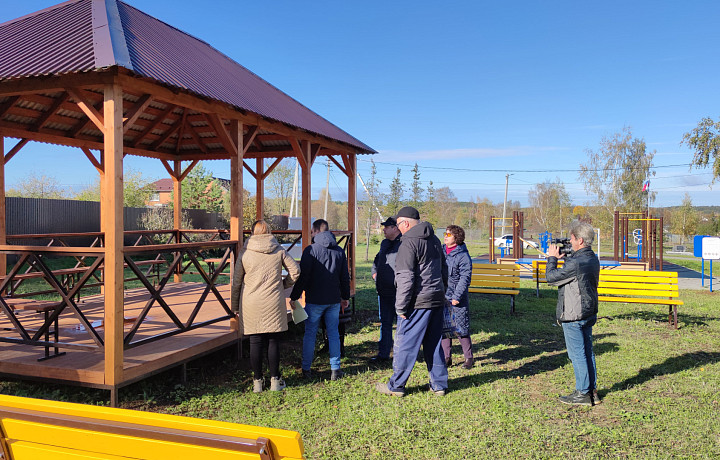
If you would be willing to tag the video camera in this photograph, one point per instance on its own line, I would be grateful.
(563, 245)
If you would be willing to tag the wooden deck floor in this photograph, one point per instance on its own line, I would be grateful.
(86, 368)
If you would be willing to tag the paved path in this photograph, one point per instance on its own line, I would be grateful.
(690, 279)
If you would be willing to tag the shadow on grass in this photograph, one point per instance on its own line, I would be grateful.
(661, 317)
(669, 366)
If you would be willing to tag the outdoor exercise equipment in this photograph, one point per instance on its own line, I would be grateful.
(706, 247)
(517, 222)
(649, 238)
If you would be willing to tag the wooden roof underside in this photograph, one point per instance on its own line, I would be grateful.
(160, 122)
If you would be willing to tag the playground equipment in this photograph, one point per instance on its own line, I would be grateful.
(518, 224)
(648, 238)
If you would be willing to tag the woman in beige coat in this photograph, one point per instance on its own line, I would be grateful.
(258, 297)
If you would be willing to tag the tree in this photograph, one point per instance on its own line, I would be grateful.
(416, 191)
(705, 140)
(39, 186)
(483, 209)
(549, 201)
(445, 207)
(201, 191)
(685, 219)
(428, 212)
(615, 174)
(136, 190)
(369, 206)
(395, 197)
(279, 184)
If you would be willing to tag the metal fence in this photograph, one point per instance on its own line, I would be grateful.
(26, 216)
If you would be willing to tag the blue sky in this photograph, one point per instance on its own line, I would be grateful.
(484, 88)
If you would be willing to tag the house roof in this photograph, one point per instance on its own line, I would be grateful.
(81, 36)
(163, 185)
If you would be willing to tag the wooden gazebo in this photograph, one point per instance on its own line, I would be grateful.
(112, 81)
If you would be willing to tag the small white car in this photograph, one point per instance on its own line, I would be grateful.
(506, 241)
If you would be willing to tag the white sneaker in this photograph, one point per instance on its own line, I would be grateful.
(258, 385)
(277, 384)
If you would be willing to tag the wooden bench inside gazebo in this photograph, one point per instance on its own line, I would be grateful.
(113, 81)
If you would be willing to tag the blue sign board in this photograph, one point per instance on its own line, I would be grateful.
(697, 245)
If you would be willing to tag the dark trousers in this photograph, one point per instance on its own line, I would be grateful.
(259, 344)
(386, 311)
(422, 327)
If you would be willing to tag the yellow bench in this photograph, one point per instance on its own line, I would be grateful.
(48, 430)
(496, 279)
(640, 286)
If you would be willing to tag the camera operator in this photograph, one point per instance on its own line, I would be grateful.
(577, 308)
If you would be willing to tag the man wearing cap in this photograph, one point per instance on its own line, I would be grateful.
(420, 280)
(383, 272)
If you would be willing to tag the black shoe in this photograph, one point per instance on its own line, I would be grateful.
(468, 364)
(336, 374)
(448, 362)
(577, 398)
(379, 359)
(307, 374)
(596, 398)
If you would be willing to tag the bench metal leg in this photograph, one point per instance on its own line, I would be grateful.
(512, 304)
(672, 315)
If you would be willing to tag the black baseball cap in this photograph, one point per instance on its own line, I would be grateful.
(389, 222)
(409, 212)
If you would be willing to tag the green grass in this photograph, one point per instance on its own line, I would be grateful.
(661, 388)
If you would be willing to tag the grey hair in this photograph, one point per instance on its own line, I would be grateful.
(583, 230)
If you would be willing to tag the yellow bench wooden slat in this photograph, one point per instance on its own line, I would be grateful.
(640, 286)
(64, 429)
(494, 291)
(495, 279)
(496, 283)
(637, 292)
(640, 300)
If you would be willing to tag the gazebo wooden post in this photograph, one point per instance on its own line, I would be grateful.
(306, 162)
(177, 210)
(350, 162)
(259, 189)
(113, 227)
(236, 197)
(3, 225)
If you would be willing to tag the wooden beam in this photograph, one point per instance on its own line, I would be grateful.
(56, 83)
(16, 149)
(236, 200)
(88, 108)
(297, 148)
(219, 126)
(160, 118)
(340, 167)
(5, 106)
(351, 172)
(259, 189)
(136, 111)
(249, 138)
(168, 168)
(271, 167)
(113, 228)
(3, 224)
(181, 131)
(314, 150)
(169, 132)
(177, 208)
(306, 204)
(252, 173)
(188, 169)
(201, 145)
(50, 112)
(98, 164)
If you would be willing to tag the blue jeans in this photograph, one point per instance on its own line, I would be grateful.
(386, 311)
(578, 340)
(422, 327)
(331, 315)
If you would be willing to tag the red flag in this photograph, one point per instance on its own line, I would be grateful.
(646, 186)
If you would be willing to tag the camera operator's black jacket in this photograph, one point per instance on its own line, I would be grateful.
(384, 267)
(577, 283)
(421, 272)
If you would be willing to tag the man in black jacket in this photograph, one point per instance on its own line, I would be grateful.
(577, 308)
(383, 272)
(420, 279)
(325, 279)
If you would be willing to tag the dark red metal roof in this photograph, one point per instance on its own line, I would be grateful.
(163, 185)
(84, 35)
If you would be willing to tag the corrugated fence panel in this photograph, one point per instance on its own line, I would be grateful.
(38, 215)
